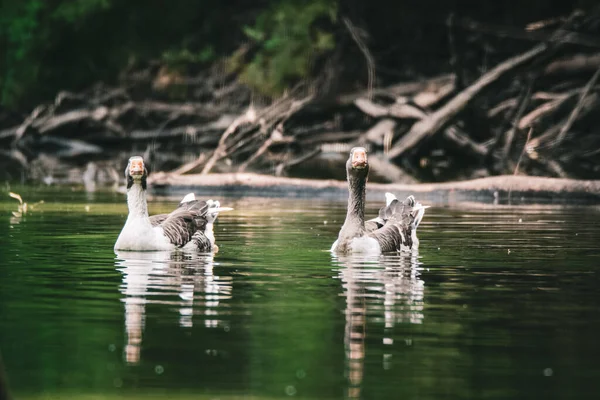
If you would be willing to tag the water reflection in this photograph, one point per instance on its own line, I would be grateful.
(385, 289)
(184, 280)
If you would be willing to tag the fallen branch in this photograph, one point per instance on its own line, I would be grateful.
(573, 64)
(277, 136)
(187, 167)
(247, 117)
(378, 132)
(439, 118)
(463, 141)
(510, 134)
(401, 89)
(539, 112)
(396, 110)
(565, 129)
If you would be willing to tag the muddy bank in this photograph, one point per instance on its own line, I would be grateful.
(499, 189)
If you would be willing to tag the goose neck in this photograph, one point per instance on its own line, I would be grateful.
(136, 201)
(356, 202)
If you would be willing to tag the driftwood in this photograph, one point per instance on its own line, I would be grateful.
(490, 189)
(520, 110)
(573, 116)
(380, 131)
(573, 64)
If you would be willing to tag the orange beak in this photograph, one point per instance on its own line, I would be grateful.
(359, 158)
(136, 167)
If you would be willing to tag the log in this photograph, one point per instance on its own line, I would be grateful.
(69, 147)
(488, 190)
(397, 110)
(400, 89)
(574, 64)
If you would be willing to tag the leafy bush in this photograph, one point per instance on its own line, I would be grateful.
(26, 28)
(288, 41)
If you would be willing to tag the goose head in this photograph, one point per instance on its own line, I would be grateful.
(136, 172)
(357, 165)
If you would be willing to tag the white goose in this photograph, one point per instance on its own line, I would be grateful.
(189, 226)
(393, 230)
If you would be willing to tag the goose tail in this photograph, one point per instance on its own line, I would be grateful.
(214, 208)
(188, 198)
(417, 212)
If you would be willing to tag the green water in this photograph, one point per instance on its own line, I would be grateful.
(501, 303)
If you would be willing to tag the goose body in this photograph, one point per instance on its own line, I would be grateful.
(189, 226)
(394, 229)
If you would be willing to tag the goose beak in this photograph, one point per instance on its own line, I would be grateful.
(359, 159)
(136, 167)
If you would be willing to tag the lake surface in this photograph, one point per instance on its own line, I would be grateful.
(502, 302)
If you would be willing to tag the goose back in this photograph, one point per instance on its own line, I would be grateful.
(400, 223)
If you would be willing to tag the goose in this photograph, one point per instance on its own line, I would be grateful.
(189, 226)
(393, 230)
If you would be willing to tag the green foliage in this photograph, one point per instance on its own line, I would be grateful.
(52, 45)
(18, 25)
(74, 10)
(288, 41)
(26, 28)
(184, 56)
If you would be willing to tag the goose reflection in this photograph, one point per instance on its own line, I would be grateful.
(183, 280)
(377, 288)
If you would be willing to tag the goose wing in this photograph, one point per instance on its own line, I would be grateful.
(158, 219)
(401, 219)
(373, 224)
(181, 224)
(188, 201)
(384, 213)
(392, 237)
